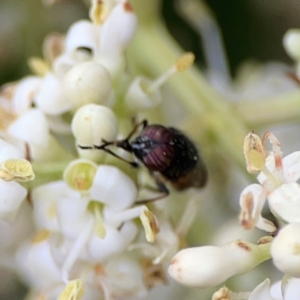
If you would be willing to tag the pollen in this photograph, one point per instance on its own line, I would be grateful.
(40, 236)
(184, 61)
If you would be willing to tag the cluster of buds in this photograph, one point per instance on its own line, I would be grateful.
(85, 236)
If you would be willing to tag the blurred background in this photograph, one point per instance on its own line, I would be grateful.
(252, 29)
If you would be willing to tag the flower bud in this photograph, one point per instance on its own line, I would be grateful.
(208, 266)
(118, 29)
(88, 82)
(291, 43)
(92, 123)
(285, 250)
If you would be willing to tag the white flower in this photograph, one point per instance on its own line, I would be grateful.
(105, 43)
(263, 291)
(77, 215)
(277, 183)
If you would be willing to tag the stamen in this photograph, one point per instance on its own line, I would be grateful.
(73, 291)
(254, 153)
(181, 64)
(245, 217)
(78, 245)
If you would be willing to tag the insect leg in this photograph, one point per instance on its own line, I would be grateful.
(142, 124)
(164, 192)
(103, 147)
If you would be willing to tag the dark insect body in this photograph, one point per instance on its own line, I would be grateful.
(167, 153)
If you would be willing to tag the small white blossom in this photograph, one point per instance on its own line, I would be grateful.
(277, 180)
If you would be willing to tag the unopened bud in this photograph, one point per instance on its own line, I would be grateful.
(150, 224)
(208, 266)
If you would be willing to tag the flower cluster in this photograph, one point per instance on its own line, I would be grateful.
(75, 217)
(84, 236)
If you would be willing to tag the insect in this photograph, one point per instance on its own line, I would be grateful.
(166, 152)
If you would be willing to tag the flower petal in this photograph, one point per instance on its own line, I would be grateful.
(114, 188)
(13, 195)
(261, 292)
(31, 127)
(285, 202)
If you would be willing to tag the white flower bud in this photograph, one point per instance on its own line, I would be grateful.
(291, 43)
(118, 29)
(50, 98)
(285, 250)
(92, 123)
(208, 265)
(88, 82)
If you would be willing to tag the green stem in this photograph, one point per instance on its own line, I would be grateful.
(265, 112)
(46, 172)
